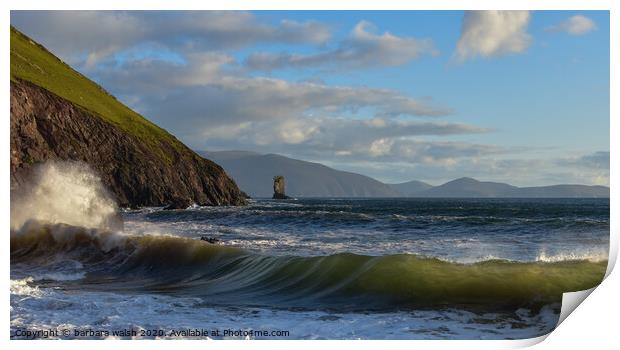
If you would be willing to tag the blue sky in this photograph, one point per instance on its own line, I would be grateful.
(561, 82)
(518, 97)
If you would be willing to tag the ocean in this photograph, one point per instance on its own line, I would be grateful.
(311, 269)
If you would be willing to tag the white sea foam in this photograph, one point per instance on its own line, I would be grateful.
(111, 311)
(64, 192)
(23, 287)
(60, 276)
(36, 308)
(590, 255)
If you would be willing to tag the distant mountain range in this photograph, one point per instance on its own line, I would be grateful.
(411, 188)
(468, 187)
(254, 172)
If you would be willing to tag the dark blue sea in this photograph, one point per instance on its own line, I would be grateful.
(315, 268)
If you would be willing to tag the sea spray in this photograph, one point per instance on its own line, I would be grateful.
(289, 266)
(64, 192)
(225, 275)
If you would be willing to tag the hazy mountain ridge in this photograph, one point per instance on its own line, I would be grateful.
(468, 187)
(254, 172)
(411, 187)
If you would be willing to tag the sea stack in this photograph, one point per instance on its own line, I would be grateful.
(278, 188)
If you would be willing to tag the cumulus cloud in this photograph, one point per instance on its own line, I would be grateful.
(108, 32)
(409, 150)
(337, 134)
(493, 33)
(596, 160)
(272, 108)
(362, 48)
(179, 70)
(208, 102)
(203, 91)
(575, 25)
(369, 146)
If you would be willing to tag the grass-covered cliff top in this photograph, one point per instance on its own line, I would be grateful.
(30, 61)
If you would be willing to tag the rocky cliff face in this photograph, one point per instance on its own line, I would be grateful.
(47, 127)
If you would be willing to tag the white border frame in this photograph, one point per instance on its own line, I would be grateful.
(594, 323)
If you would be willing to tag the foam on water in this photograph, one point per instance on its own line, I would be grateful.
(322, 227)
(594, 255)
(231, 276)
(109, 311)
(23, 287)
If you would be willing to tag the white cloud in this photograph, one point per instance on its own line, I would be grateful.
(575, 25)
(164, 91)
(100, 34)
(201, 94)
(361, 49)
(349, 139)
(294, 131)
(208, 103)
(596, 160)
(493, 33)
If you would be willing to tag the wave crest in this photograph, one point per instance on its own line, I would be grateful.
(64, 192)
(226, 275)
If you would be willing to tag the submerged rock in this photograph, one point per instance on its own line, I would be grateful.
(278, 188)
(211, 240)
(179, 203)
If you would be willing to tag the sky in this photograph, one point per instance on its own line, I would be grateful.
(513, 96)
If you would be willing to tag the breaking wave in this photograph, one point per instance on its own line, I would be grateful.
(64, 229)
(226, 275)
(64, 192)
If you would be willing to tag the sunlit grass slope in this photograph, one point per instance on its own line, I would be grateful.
(32, 62)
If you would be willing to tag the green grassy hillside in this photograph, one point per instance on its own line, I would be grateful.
(32, 62)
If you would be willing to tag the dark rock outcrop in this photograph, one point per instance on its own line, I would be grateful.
(211, 240)
(278, 188)
(178, 203)
(47, 127)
